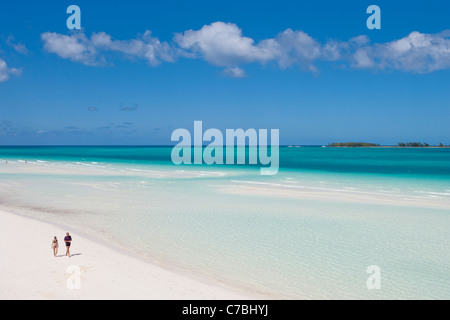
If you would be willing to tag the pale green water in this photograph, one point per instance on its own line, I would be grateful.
(311, 231)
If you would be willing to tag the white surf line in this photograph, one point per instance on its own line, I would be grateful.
(433, 193)
(289, 186)
(313, 188)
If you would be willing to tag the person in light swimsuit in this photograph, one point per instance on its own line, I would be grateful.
(55, 246)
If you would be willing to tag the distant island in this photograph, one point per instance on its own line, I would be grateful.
(419, 145)
(353, 144)
(400, 144)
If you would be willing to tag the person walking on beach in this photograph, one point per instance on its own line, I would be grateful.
(68, 241)
(55, 246)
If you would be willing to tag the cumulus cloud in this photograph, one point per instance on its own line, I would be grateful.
(76, 47)
(145, 47)
(296, 47)
(91, 51)
(338, 50)
(224, 45)
(234, 72)
(362, 58)
(6, 72)
(417, 52)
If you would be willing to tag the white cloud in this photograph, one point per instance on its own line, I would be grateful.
(77, 47)
(417, 52)
(145, 47)
(296, 47)
(354, 51)
(5, 71)
(224, 45)
(234, 72)
(362, 59)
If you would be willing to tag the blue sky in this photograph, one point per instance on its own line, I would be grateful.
(135, 72)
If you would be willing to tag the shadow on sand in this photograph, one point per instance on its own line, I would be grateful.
(63, 255)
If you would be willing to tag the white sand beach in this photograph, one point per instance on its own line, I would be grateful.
(29, 271)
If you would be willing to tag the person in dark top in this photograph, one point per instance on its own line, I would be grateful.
(68, 241)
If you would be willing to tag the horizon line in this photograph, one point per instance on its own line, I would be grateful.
(171, 146)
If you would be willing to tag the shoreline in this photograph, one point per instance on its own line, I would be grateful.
(106, 273)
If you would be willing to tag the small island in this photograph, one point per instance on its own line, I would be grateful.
(400, 145)
(419, 145)
(353, 144)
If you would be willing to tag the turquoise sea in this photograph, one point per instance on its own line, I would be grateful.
(311, 231)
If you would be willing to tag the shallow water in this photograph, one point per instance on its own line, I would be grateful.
(311, 231)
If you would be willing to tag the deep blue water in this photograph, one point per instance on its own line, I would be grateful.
(404, 161)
